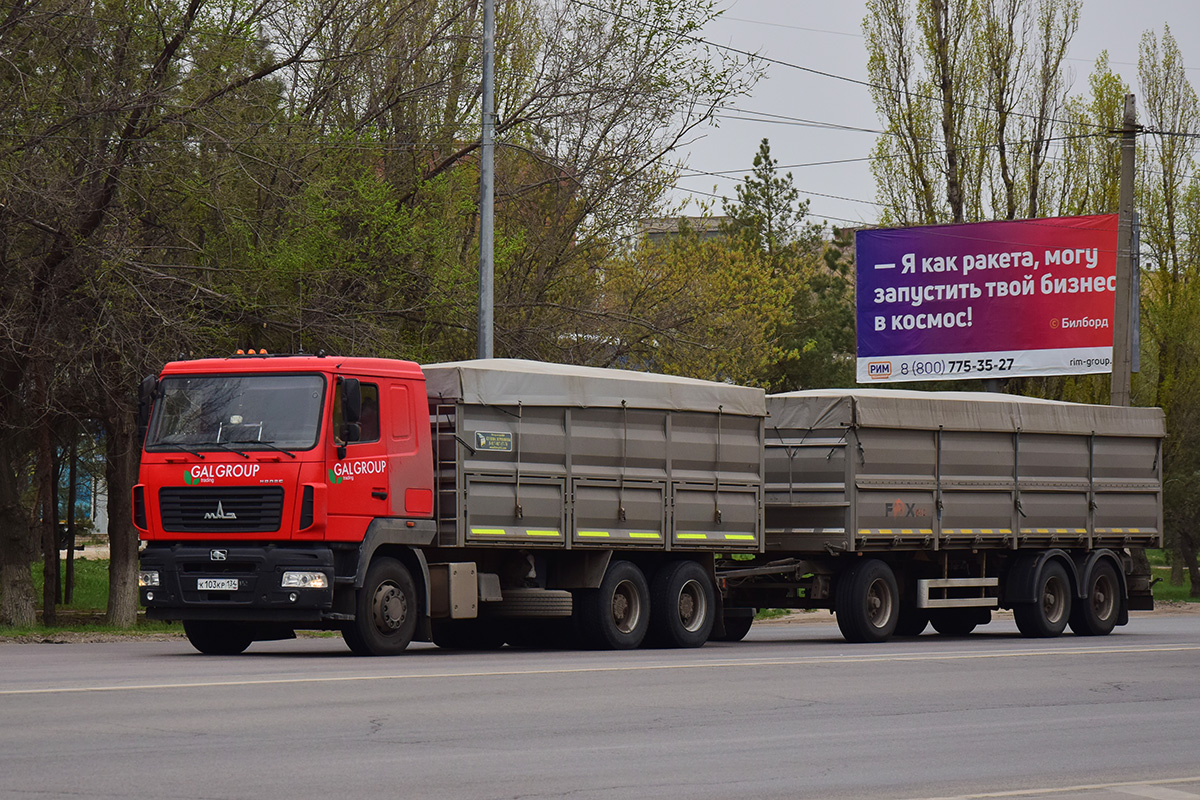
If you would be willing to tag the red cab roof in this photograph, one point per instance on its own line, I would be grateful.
(376, 367)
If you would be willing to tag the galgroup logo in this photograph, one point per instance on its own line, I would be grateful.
(348, 470)
(879, 370)
(208, 473)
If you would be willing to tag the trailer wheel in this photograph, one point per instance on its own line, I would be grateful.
(912, 621)
(217, 638)
(682, 605)
(867, 601)
(616, 616)
(1047, 616)
(1097, 614)
(737, 625)
(385, 616)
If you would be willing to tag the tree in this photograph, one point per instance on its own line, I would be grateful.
(199, 176)
(814, 344)
(1169, 199)
(956, 81)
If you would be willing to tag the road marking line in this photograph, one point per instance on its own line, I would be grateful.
(1126, 787)
(741, 664)
(1157, 792)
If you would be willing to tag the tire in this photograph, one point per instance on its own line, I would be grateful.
(617, 615)
(217, 638)
(1096, 614)
(683, 605)
(1046, 617)
(958, 621)
(912, 621)
(385, 614)
(537, 603)
(736, 626)
(468, 634)
(867, 602)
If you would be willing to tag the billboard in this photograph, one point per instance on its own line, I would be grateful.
(986, 300)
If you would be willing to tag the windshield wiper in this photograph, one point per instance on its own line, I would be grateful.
(268, 443)
(227, 448)
(177, 446)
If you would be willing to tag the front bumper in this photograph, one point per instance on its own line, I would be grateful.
(258, 570)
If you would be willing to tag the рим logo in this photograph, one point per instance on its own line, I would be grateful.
(879, 370)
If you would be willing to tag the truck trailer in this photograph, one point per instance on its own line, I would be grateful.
(482, 503)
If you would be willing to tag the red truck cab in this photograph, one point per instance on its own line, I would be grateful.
(265, 478)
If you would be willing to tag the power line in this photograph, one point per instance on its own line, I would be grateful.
(811, 70)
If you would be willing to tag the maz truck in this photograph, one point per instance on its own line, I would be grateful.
(493, 502)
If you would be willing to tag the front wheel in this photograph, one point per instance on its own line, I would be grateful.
(217, 638)
(1047, 616)
(682, 605)
(867, 601)
(385, 617)
(1097, 614)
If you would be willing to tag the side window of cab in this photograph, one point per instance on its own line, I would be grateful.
(368, 421)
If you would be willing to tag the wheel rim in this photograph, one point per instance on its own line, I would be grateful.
(1103, 599)
(879, 603)
(389, 608)
(626, 607)
(1054, 600)
(693, 606)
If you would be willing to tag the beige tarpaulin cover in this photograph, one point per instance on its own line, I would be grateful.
(956, 411)
(501, 381)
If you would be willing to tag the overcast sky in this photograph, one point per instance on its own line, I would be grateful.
(826, 35)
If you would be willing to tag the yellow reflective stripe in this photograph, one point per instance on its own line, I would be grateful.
(741, 537)
(542, 533)
(488, 531)
(639, 535)
(600, 534)
(691, 535)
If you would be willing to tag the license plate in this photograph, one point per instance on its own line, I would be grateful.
(217, 584)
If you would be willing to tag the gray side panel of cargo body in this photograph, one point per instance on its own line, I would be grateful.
(862, 479)
(576, 468)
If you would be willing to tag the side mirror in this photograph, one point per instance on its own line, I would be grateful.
(351, 401)
(145, 403)
(351, 432)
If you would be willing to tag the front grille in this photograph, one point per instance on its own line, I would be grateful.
(202, 509)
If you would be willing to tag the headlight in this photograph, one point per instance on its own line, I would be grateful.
(148, 577)
(305, 580)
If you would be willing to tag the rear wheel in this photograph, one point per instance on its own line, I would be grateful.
(385, 616)
(617, 615)
(1096, 614)
(867, 602)
(218, 638)
(682, 605)
(1047, 616)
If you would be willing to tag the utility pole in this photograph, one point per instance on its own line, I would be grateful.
(487, 182)
(1122, 367)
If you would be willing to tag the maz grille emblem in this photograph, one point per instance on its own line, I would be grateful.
(220, 513)
(218, 555)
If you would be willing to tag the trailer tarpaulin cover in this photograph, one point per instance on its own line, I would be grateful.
(502, 381)
(956, 411)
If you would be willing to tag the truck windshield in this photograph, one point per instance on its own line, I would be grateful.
(246, 412)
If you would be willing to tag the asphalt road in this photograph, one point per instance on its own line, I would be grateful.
(793, 712)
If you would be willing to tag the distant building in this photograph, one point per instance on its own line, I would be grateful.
(657, 230)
